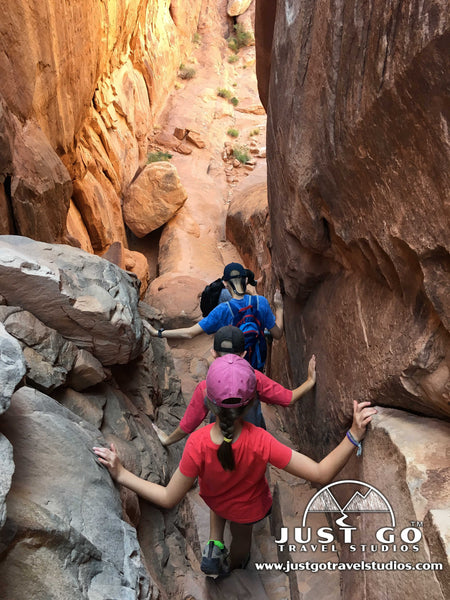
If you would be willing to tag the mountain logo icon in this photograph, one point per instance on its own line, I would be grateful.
(364, 499)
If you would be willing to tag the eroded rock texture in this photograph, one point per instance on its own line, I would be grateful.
(81, 88)
(87, 299)
(65, 529)
(358, 186)
(358, 190)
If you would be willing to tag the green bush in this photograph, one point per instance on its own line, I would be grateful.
(224, 93)
(240, 39)
(241, 153)
(234, 101)
(254, 132)
(233, 132)
(233, 58)
(158, 156)
(197, 38)
(186, 72)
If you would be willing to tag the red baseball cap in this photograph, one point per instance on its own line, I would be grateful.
(230, 376)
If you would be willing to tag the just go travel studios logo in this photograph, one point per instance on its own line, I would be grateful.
(360, 497)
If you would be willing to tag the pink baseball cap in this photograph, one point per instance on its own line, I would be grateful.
(230, 376)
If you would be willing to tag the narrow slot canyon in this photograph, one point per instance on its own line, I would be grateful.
(146, 144)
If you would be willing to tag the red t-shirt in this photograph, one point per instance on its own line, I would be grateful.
(242, 495)
(269, 391)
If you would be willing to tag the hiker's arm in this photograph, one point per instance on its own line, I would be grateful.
(194, 414)
(184, 332)
(165, 496)
(277, 329)
(306, 385)
(176, 435)
(324, 471)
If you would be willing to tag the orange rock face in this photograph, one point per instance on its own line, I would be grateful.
(85, 87)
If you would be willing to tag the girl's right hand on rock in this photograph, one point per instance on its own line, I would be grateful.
(362, 415)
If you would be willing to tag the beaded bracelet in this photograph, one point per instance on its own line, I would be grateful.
(355, 443)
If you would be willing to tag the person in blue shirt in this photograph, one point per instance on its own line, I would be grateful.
(235, 278)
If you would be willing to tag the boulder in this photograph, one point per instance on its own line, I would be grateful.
(178, 297)
(248, 225)
(99, 206)
(48, 356)
(129, 260)
(6, 473)
(414, 478)
(237, 7)
(86, 371)
(53, 527)
(88, 300)
(12, 367)
(153, 198)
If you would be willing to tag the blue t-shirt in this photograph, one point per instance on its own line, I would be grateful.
(221, 315)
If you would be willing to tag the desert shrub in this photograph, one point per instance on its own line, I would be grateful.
(234, 101)
(233, 132)
(158, 156)
(240, 38)
(224, 93)
(186, 72)
(241, 153)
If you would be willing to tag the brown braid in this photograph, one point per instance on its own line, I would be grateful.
(227, 420)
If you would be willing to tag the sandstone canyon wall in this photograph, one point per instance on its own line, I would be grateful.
(82, 86)
(358, 185)
(357, 235)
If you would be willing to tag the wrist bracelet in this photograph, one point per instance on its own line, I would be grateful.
(355, 443)
(160, 332)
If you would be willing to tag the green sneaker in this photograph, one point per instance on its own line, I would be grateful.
(215, 559)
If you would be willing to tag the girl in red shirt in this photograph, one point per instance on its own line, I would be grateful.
(229, 457)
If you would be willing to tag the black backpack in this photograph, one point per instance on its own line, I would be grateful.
(210, 296)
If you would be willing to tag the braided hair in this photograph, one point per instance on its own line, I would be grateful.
(227, 420)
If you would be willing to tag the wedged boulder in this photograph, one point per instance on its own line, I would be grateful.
(177, 297)
(237, 7)
(88, 300)
(64, 512)
(12, 367)
(153, 198)
(6, 473)
(248, 224)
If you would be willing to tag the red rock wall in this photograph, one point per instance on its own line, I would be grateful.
(358, 184)
(358, 188)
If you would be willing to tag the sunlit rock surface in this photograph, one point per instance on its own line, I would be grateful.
(81, 86)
